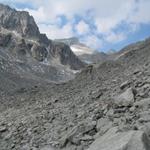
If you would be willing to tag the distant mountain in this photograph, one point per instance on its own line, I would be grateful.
(85, 53)
(111, 51)
(68, 41)
(26, 52)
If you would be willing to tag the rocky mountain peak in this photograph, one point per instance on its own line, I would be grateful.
(29, 53)
(18, 21)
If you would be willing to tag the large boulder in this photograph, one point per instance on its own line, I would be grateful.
(130, 140)
(125, 99)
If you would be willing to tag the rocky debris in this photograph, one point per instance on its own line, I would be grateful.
(96, 110)
(83, 132)
(125, 99)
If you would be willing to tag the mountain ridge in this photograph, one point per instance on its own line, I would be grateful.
(22, 41)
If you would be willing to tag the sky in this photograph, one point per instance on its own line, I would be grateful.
(100, 24)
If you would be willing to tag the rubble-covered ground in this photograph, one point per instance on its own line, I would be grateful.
(106, 107)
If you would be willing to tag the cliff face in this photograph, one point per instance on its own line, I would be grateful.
(21, 41)
(19, 21)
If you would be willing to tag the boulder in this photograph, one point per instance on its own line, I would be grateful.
(75, 135)
(103, 124)
(125, 99)
(113, 140)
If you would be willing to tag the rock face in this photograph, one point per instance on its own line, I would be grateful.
(30, 53)
(4, 39)
(66, 56)
(85, 53)
(39, 52)
(19, 21)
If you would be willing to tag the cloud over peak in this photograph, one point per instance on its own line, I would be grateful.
(95, 22)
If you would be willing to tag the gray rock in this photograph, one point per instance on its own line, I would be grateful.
(144, 116)
(143, 104)
(113, 140)
(103, 124)
(125, 99)
(4, 39)
(20, 21)
(39, 52)
(3, 128)
(124, 84)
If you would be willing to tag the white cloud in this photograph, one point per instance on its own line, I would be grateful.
(56, 32)
(82, 27)
(92, 41)
(117, 12)
(39, 14)
(115, 37)
(141, 13)
(106, 15)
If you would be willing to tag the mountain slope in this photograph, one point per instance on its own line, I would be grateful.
(30, 53)
(85, 53)
(105, 106)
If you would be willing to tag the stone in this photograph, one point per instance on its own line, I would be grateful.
(144, 116)
(87, 138)
(124, 84)
(102, 123)
(144, 104)
(146, 129)
(75, 134)
(113, 140)
(47, 148)
(125, 99)
(132, 109)
(3, 128)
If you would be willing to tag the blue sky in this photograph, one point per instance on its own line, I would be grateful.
(100, 24)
